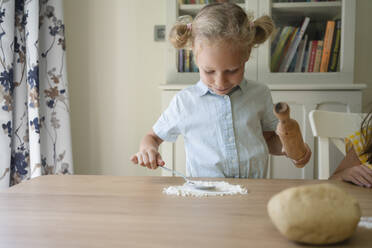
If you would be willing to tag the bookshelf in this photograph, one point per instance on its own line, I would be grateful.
(290, 13)
(283, 13)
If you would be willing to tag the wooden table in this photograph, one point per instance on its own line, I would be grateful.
(108, 211)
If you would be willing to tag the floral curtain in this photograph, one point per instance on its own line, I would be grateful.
(34, 109)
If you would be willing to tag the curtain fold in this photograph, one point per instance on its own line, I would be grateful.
(35, 137)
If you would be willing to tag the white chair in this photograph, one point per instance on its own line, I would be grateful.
(332, 126)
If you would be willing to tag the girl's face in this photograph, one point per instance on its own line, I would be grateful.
(221, 67)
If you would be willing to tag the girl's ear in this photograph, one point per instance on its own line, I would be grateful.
(248, 54)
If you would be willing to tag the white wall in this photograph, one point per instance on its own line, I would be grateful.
(115, 67)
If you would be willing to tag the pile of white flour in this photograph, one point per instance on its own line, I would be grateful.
(365, 222)
(221, 188)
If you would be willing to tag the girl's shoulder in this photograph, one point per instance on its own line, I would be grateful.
(255, 88)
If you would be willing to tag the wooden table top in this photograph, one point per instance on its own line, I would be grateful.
(109, 211)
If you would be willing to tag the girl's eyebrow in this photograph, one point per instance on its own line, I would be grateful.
(227, 69)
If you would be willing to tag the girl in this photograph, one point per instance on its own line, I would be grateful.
(356, 167)
(227, 122)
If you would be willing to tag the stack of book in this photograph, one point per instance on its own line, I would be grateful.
(293, 51)
(186, 61)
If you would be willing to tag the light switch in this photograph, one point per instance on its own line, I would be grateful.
(159, 32)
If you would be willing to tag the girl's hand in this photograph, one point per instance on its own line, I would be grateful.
(150, 158)
(360, 175)
(303, 161)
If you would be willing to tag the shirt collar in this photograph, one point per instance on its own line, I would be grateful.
(203, 89)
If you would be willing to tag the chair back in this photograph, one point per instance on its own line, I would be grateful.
(333, 127)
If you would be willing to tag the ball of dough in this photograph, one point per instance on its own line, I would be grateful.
(315, 214)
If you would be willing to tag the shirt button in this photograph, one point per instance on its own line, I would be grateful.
(226, 97)
(231, 139)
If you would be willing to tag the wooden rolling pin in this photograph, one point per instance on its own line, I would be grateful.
(289, 133)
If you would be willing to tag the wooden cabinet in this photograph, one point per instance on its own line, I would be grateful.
(301, 99)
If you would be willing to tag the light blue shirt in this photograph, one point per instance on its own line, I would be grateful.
(223, 134)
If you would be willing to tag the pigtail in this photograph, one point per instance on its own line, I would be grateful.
(181, 33)
(263, 26)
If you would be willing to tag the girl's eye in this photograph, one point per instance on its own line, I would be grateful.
(209, 72)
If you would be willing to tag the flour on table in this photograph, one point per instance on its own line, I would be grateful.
(221, 188)
(365, 222)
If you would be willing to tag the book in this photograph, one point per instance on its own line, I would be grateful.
(301, 54)
(335, 50)
(292, 66)
(276, 36)
(318, 56)
(294, 45)
(308, 54)
(187, 61)
(327, 46)
(314, 45)
(285, 49)
(191, 62)
(180, 60)
(284, 35)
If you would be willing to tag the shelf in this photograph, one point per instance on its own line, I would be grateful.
(311, 9)
(193, 9)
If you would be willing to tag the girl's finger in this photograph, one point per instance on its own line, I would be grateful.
(366, 177)
(140, 159)
(355, 180)
(160, 161)
(146, 162)
(152, 159)
(134, 159)
(367, 170)
(363, 181)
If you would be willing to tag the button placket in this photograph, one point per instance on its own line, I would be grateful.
(230, 145)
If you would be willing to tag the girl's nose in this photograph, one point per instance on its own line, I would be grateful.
(220, 81)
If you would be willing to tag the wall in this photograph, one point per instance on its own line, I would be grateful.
(114, 69)
(363, 50)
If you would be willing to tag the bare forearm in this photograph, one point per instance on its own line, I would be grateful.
(351, 159)
(150, 141)
(273, 143)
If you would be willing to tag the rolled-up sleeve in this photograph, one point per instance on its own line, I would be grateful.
(167, 126)
(269, 120)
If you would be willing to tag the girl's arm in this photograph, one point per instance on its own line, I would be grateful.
(273, 143)
(148, 154)
(352, 170)
(351, 159)
(276, 148)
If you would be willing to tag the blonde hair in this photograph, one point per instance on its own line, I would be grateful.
(221, 22)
